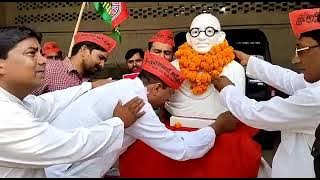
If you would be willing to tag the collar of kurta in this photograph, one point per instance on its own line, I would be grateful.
(6, 96)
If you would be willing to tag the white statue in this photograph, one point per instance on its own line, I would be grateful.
(206, 54)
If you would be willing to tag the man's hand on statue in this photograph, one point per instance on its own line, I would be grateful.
(225, 122)
(243, 57)
(221, 82)
(100, 82)
(129, 112)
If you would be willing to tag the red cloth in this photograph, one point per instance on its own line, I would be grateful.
(304, 20)
(130, 76)
(234, 154)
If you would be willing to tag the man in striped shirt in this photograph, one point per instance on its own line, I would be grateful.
(88, 56)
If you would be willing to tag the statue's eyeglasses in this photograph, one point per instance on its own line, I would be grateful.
(209, 31)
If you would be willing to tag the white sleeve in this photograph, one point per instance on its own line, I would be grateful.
(26, 142)
(49, 105)
(300, 112)
(173, 144)
(280, 78)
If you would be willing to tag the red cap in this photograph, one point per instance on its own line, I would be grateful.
(163, 69)
(102, 40)
(49, 47)
(304, 20)
(163, 36)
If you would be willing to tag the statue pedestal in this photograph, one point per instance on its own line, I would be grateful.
(190, 122)
(234, 155)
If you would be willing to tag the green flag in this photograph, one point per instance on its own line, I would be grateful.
(113, 13)
(104, 9)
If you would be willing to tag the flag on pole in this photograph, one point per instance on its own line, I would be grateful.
(113, 13)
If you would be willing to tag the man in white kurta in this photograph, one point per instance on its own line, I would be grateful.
(98, 105)
(29, 143)
(296, 116)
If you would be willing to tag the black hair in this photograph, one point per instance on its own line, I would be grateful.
(149, 78)
(90, 45)
(150, 45)
(315, 34)
(10, 36)
(179, 39)
(132, 52)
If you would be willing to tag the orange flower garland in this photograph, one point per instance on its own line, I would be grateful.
(201, 69)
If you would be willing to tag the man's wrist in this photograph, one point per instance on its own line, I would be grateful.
(216, 128)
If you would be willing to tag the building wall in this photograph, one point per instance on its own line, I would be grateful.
(57, 21)
(3, 15)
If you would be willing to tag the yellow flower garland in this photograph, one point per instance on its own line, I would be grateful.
(201, 69)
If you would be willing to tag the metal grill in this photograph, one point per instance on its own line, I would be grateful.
(188, 9)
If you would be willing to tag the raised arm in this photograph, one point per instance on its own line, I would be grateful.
(280, 78)
(300, 112)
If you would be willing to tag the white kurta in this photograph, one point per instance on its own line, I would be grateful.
(207, 105)
(99, 103)
(296, 117)
(28, 143)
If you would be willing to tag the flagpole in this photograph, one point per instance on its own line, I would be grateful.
(77, 27)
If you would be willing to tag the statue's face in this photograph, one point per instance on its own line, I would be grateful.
(205, 32)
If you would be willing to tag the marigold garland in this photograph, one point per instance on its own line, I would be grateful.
(201, 69)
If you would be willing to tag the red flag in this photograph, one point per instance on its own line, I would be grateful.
(119, 13)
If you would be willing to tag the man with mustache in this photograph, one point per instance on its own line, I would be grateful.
(134, 59)
(28, 142)
(297, 116)
(88, 56)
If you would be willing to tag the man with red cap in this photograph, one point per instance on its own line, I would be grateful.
(51, 51)
(155, 84)
(88, 56)
(162, 43)
(298, 116)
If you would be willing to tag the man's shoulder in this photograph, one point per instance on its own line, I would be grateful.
(54, 64)
(131, 84)
(12, 109)
(234, 66)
